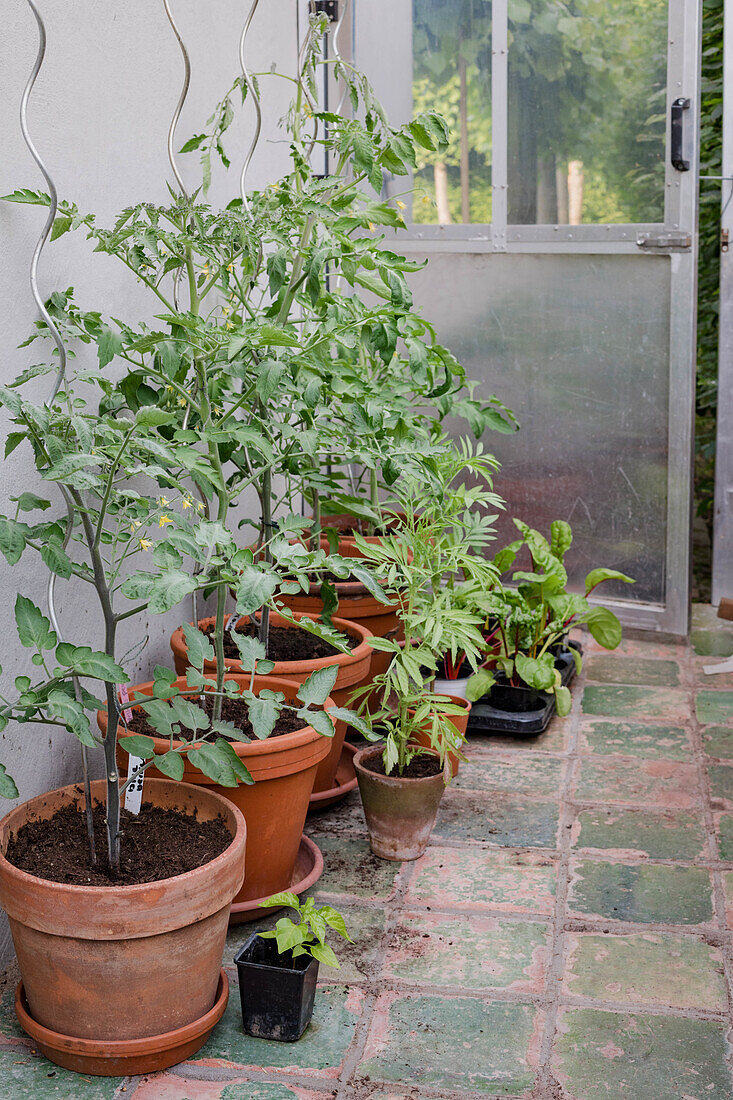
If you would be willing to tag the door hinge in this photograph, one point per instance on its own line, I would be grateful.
(327, 7)
(679, 242)
(724, 240)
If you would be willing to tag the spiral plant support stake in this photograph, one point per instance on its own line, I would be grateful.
(252, 89)
(174, 124)
(61, 372)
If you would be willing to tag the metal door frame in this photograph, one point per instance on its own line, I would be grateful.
(680, 225)
(723, 514)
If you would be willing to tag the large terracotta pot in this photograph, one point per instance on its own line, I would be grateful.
(275, 806)
(104, 969)
(400, 813)
(460, 721)
(353, 668)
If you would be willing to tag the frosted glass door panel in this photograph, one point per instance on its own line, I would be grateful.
(586, 97)
(578, 347)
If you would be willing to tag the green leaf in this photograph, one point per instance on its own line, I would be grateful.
(274, 336)
(71, 713)
(90, 662)
(8, 788)
(138, 745)
(351, 718)
(251, 650)
(12, 540)
(317, 688)
(169, 589)
(150, 417)
(254, 589)
(28, 502)
(604, 626)
(334, 920)
(319, 720)
(220, 763)
(325, 955)
(370, 583)
(539, 673)
(563, 701)
(263, 714)
(193, 143)
(597, 576)
(171, 764)
(56, 560)
(285, 897)
(189, 715)
(109, 344)
(33, 198)
(200, 649)
(34, 629)
(479, 684)
(160, 717)
(561, 538)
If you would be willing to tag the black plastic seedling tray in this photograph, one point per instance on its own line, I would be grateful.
(519, 711)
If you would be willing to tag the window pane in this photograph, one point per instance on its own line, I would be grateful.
(451, 73)
(586, 97)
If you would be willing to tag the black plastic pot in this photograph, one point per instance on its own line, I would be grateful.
(276, 991)
(517, 711)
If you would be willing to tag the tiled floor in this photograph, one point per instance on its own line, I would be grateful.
(566, 937)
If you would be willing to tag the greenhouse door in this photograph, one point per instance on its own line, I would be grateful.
(560, 230)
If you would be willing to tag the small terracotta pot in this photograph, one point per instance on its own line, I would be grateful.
(460, 721)
(353, 669)
(284, 769)
(400, 813)
(121, 964)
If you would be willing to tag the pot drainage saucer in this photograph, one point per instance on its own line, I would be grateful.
(120, 1057)
(344, 781)
(307, 871)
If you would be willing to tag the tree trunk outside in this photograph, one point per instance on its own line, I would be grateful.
(575, 192)
(561, 187)
(441, 193)
(546, 191)
(465, 178)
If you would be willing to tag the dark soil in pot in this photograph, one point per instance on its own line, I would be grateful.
(285, 643)
(420, 767)
(232, 710)
(156, 844)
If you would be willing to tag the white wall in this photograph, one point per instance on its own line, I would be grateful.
(99, 115)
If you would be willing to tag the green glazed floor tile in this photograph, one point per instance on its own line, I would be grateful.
(644, 893)
(483, 953)
(448, 878)
(718, 742)
(721, 783)
(663, 783)
(704, 615)
(635, 832)
(727, 877)
(351, 868)
(510, 821)
(631, 702)
(714, 707)
(635, 739)
(632, 670)
(456, 1043)
(636, 1056)
(27, 1076)
(320, 1052)
(647, 968)
(554, 740)
(725, 837)
(713, 643)
(169, 1086)
(345, 818)
(522, 772)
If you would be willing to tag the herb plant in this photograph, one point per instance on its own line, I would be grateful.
(308, 936)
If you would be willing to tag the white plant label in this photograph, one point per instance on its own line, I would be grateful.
(134, 793)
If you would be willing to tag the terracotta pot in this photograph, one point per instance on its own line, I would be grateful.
(353, 669)
(400, 813)
(122, 964)
(460, 721)
(284, 769)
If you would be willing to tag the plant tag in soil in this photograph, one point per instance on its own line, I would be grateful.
(134, 793)
(125, 698)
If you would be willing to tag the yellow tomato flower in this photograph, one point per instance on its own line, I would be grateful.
(401, 205)
(145, 544)
(182, 402)
(163, 520)
(186, 502)
(163, 502)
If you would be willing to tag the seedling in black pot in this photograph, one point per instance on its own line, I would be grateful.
(278, 970)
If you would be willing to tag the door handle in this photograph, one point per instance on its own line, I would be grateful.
(677, 134)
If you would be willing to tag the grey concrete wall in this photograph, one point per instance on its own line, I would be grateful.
(99, 115)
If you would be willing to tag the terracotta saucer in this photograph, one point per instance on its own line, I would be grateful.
(123, 1056)
(307, 871)
(344, 781)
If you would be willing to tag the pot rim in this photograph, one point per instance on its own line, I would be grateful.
(284, 743)
(9, 872)
(393, 780)
(359, 653)
(239, 961)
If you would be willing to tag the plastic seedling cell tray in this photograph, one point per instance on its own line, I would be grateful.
(519, 711)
